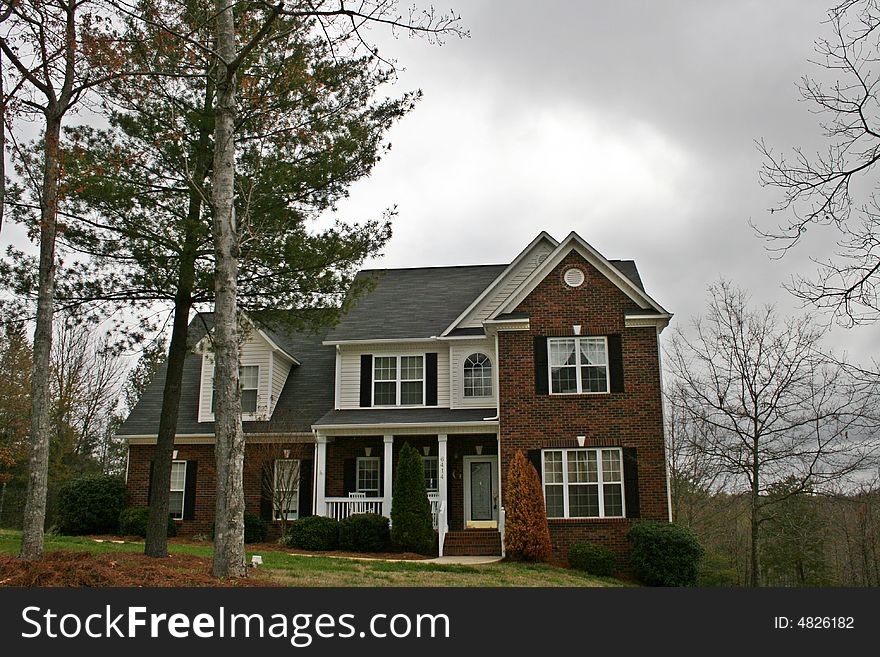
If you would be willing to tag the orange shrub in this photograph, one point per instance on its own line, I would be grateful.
(526, 534)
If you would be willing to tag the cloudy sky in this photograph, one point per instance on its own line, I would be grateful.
(633, 123)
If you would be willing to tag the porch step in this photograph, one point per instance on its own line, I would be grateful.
(473, 542)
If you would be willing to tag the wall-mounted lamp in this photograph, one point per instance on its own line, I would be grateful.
(581, 440)
(426, 450)
(479, 449)
(368, 450)
(174, 455)
(287, 453)
(576, 329)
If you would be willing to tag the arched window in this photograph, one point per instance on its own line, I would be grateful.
(478, 376)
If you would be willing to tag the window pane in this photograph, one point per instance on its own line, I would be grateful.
(248, 401)
(368, 475)
(582, 467)
(410, 368)
(563, 379)
(553, 501)
(286, 500)
(583, 501)
(553, 467)
(178, 475)
(610, 465)
(385, 368)
(593, 351)
(385, 394)
(562, 352)
(595, 379)
(411, 392)
(175, 504)
(430, 463)
(477, 376)
(248, 376)
(613, 500)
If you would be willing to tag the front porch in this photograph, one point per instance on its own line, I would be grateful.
(355, 474)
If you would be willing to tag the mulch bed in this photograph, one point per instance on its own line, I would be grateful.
(65, 568)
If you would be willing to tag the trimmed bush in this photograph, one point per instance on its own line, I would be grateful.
(665, 554)
(91, 505)
(313, 533)
(255, 528)
(412, 527)
(133, 522)
(592, 558)
(526, 533)
(364, 532)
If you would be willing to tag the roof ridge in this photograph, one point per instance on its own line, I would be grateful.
(499, 264)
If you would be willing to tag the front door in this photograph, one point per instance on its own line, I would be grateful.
(481, 491)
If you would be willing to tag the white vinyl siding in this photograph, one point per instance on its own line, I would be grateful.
(280, 369)
(350, 368)
(460, 350)
(508, 286)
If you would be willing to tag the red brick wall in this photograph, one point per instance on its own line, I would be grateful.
(206, 484)
(632, 418)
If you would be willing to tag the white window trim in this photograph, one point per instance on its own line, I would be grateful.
(357, 475)
(180, 490)
(464, 393)
(600, 481)
(398, 381)
(292, 514)
(210, 416)
(580, 389)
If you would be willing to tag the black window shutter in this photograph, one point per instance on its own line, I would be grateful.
(305, 488)
(631, 482)
(150, 484)
(534, 456)
(366, 379)
(189, 491)
(542, 383)
(267, 483)
(431, 379)
(615, 362)
(349, 482)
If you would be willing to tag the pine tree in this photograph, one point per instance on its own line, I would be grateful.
(411, 525)
(526, 533)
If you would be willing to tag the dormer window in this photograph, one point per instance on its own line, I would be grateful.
(477, 376)
(399, 378)
(248, 382)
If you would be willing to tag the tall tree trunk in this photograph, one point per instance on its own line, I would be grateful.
(38, 472)
(156, 544)
(229, 558)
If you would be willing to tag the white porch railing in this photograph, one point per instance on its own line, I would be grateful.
(434, 499)
(342, 507)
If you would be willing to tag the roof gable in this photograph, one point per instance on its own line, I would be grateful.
(506, 283)
(612, 271)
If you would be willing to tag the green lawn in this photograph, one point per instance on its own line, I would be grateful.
(283, 569)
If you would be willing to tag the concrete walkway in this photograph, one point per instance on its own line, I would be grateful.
(468, 561)
(463, 560)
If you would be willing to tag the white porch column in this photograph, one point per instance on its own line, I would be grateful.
(388, 476)
(442, 471)
(320, 474)
(498, 439)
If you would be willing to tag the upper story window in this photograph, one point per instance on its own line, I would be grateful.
(578, 365)
(248, 383)
(583, 483)
(399, 381)
(477, 376)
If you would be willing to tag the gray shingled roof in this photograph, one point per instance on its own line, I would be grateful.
(414, 303)
(306, 396)
(382, 416)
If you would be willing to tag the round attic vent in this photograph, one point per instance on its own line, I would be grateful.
(574, 277)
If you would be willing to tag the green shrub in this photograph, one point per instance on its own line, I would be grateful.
(665, 554)
(313, 533)
(91, 505)
(364, 532)
(592, 558)
(133, 522)
(716, 570)
(255, 528)
(411, 522)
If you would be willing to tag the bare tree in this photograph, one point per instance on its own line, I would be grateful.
(837, 186)
(772, 408)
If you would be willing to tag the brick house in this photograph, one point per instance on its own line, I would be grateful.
(555, 354)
